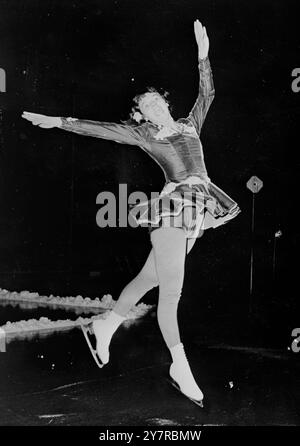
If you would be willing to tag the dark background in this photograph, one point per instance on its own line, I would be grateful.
(88, 59)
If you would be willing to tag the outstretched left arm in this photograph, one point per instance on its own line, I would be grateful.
(206, 86)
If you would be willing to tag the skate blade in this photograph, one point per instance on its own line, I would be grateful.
(88, 330)
(174, 384)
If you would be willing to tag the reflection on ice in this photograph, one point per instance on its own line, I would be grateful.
(34, 305)
(34, 334)
(2, 341)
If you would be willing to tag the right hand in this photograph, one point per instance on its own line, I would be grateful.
(201, 39)
(46, 122)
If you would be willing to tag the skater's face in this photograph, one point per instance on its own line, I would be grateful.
(154, 108)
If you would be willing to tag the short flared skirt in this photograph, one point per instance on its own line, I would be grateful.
(193, 208)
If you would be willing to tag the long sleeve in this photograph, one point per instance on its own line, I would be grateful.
(121, 133)
(205, 96)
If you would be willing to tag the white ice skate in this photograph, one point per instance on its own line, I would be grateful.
(100, 332)
(184, 382)
(90, 337)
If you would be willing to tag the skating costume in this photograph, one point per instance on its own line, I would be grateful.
(179, 153)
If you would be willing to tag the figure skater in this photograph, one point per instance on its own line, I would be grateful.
(188, 204)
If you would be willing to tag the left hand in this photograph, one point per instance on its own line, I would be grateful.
(202, 39)
(46, 122)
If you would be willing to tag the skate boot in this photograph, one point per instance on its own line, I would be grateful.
(98, 335)
(182, 378)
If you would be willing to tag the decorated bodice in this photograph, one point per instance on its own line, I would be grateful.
(179, 154)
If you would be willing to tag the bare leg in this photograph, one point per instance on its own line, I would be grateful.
(138, 287)
(169, 246)
(141, 284)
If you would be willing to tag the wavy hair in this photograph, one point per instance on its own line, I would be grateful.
(136, 116)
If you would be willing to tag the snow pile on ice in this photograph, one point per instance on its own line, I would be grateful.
(106, 302)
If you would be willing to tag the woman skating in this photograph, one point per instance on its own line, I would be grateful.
(188, 204)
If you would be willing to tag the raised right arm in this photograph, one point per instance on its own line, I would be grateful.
(120, 133)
